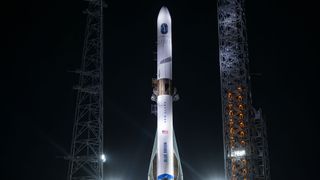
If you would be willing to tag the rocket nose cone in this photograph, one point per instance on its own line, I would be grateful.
(164, 10)
(164, 15)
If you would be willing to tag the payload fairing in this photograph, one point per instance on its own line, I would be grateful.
(165, 162)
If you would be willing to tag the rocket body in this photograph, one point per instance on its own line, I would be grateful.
(165, 152)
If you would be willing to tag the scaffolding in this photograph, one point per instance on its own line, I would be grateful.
(244, 150)
(86, 157)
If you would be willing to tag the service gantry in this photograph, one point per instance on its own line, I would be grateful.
(244, 131)
(87, 157)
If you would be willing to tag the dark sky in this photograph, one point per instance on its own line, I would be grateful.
(44, 41)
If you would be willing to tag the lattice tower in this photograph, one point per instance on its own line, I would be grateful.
(237, 111)
(85, 161)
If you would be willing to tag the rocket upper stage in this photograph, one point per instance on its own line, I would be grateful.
(164, 46)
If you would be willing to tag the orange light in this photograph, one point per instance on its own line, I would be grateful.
(231, 131)
(231, 113)
(229, 95)
(231, 123)
(241, 107)
(240, 98)
(232, 142)
(241, 116)
(242, 142)
(244, 171)
(241, 133)
(241, 124)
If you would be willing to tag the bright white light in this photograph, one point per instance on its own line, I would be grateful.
(238, 153)
(103, 158)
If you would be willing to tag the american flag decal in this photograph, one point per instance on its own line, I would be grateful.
(164, 131)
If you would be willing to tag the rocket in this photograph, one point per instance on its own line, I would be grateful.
(164, 99)
(165, 161)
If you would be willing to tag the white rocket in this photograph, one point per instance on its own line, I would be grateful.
(165, 162)
(165, 154)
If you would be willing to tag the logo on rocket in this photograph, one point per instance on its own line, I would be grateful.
(164, 28)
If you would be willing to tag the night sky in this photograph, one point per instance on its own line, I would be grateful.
(44, 41)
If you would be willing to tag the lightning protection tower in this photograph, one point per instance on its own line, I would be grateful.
(245, 147)
(86, 158)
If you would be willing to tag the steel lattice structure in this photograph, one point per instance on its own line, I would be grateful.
(85, 162)
(260, 147)
(245, 148)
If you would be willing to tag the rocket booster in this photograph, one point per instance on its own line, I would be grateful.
(165, 152)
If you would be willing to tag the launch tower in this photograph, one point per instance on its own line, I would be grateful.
(86, 157)
(245, 143)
